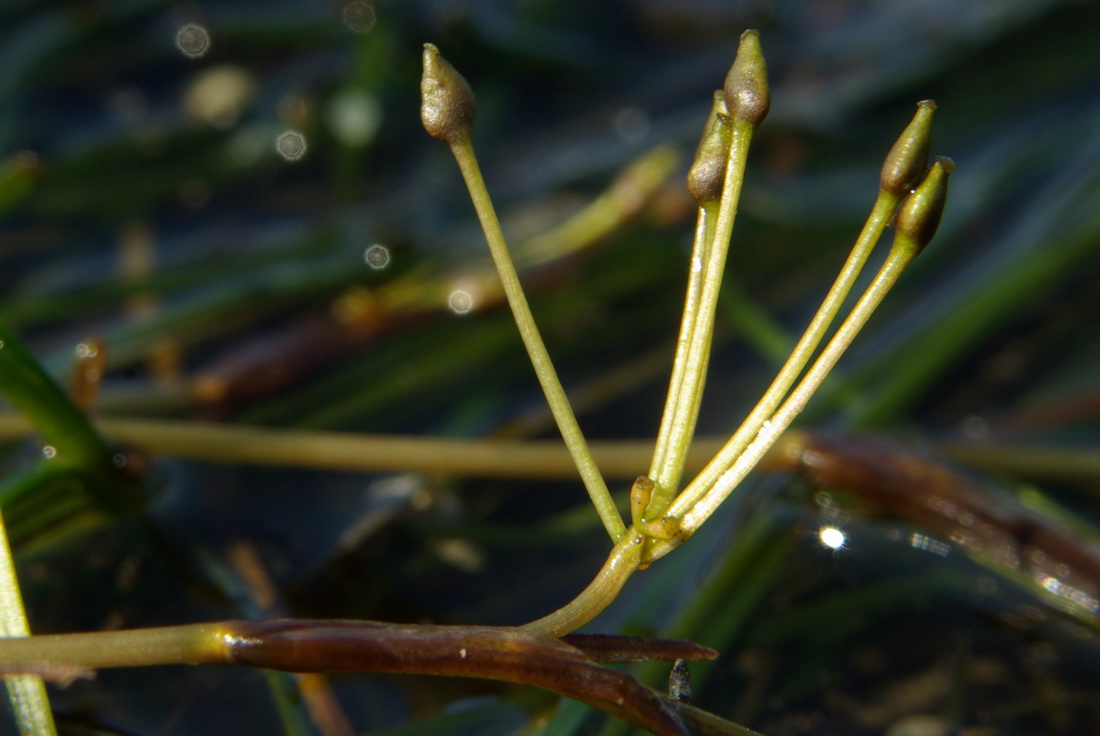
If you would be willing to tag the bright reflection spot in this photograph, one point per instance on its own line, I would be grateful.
(354, 117)
(291, 145)
(377, 256)
(219, 96)
(49, 452)
(359, 17)
(928, 544)
(461, 553)
(84, 350)
(460, 301)
(1071, 595)
(193, 40)
(831, 537)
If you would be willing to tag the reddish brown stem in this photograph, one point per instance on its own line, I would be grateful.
(570, 668)
(466, 651)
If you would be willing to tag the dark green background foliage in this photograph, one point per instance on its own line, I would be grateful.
(993, 331)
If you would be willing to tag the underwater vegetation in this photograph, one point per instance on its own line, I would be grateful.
(228, 238)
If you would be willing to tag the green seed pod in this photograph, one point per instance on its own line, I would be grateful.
(708, 171)
(448, 105)
(908, 158)
(746, 87)
(920, 213)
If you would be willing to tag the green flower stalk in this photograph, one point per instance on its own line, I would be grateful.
(659, 522)
(448, 109)
(918, 219)
(904, 165)
(704, 182)
(747, 100)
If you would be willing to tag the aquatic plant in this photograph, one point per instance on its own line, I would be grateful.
(237, 384)
(661, 520)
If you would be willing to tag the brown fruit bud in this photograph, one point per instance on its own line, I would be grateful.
(708, 171)
(746, 87)
(908, 158)
(920, 213)
(448, 105)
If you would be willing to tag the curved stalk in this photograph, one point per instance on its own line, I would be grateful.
(624, 560)
(540, 359)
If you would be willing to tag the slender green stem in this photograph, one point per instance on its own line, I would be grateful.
(555, 395)
(26, 692)
(704, 182)
(694, 515)
(872, 230)
(697, 353)
(663, 469)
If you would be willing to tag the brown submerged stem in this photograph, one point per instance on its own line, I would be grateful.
(569, 667)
